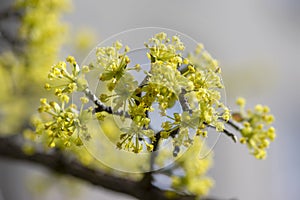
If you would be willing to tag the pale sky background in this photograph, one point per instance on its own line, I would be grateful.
(258, 45)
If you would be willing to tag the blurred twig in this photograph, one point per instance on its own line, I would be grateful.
(10, 12)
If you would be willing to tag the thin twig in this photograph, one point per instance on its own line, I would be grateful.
(232, 124)
(226, 132)
(10, 12)
(101, 107)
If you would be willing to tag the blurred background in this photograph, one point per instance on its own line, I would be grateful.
(258, 45)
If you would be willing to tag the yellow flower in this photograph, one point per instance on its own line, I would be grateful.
(241, 102)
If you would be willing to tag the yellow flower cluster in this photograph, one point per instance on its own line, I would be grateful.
(257, 131)
(62, 124)
(65, 82)
(194, 179)
(172, 78)
(42, 30)
(168, 82)
(131, 141)
(113, 62)
(124, 89)
(194, 81)
(162, 48)
(63, 127)
(205, 74)
(22, 66)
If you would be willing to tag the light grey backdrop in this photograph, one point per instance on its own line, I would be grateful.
(258, 45)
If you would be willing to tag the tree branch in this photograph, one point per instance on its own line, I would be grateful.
(60, 163)
(11, 147)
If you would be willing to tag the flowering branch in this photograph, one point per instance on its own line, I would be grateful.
(194, 82)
